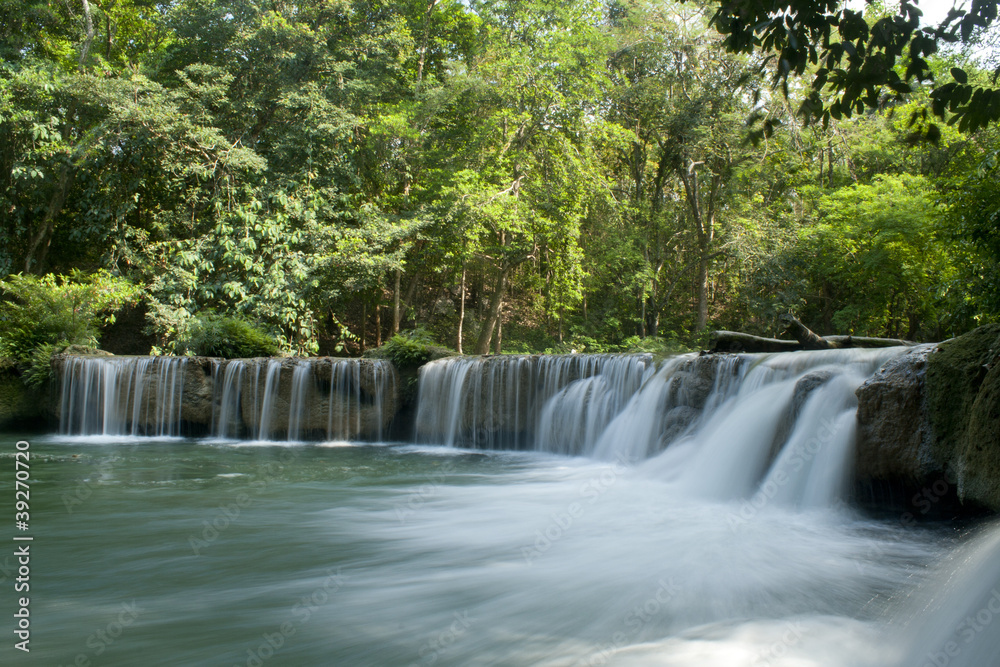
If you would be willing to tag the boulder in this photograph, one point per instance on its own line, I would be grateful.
(978, 468)
(931, 418)
(196, 407)
(803, 389)
(963, 392)
(694, 380)
(894, 434)
(676, 423)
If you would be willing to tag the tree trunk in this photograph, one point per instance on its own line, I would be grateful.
(410, 294)
(44, 236)
(424, 40)
(702, 290)
(642, 315)
(378, 326)
(733, 341)
(499, 332)
(89, 37)
(364, 325)
(493, 314)
(806, 337)
(812, 341)
(395, 303)
(704, 225)
(461, 312)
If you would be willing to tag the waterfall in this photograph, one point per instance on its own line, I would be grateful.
(267, 398)
(772, 427)
(302, 381)
(345, 383)
(261, 399)
(775, 426)
(228, 423)
(501, 402)
(122, 396)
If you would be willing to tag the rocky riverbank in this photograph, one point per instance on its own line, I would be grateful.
(929, 421)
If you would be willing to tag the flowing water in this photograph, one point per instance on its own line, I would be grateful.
(613, 535)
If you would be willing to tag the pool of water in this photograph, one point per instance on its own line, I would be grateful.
(206, 552)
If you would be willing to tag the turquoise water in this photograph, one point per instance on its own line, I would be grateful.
(198, 552)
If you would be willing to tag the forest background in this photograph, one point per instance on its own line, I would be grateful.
(266, 176)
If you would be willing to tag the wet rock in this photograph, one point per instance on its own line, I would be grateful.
(196, 405)
(803, 389)
(694, 380)
(676, 423)
(963, 406)
(894, 434)
(83, 350)
(978, 468)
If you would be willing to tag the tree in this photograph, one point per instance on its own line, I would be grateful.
(860, 65)
(683, 98)
(874, 269)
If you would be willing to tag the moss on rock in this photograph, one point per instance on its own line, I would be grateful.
(963, 404)
(21, 407)
(979, 459)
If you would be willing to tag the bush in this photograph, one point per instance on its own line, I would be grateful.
(411, 350)
(214, 335)
(42, 315)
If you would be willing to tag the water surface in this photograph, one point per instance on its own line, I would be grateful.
(207, 552)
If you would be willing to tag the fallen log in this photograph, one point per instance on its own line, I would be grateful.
(866, 341)
(806, 339)
(733, 341)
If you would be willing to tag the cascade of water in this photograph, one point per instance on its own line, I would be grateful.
(137, 393)
(228, 421)
(440, 395)
(345, 399)
(499, 402)
(385, 385)
(719, 426)
(171, 393)
(267, 398)
(122, 395)
(298, 404)
(238, 398)
(574, 418)
(953, 618)
(781, 429)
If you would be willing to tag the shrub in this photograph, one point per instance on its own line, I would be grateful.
(212, 335)
(40, 316)
(411, 350)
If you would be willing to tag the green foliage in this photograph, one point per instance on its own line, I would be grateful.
(660, 346)
(855, 62)
(39, 315)
(410, 350)
(974, 223)
(580, 172)
(873, 259)
(38, 369)
(213, 335)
